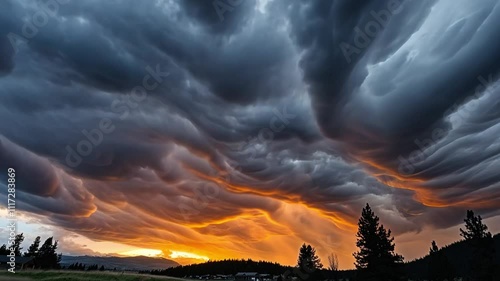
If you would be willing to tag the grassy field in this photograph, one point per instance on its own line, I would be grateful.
(80, 276)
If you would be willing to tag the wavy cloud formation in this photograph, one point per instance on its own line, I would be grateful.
(245, 129)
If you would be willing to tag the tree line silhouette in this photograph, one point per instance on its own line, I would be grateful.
(44, 257)
(82, 267)
(376, 259)
(225, 267)
(474, 258)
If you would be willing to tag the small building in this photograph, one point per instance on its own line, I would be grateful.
(246, 276)
(21, 262)
(265, 277)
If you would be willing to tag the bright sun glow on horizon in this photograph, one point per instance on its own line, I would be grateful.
(143, 252)
(159, 253)
(178, 254)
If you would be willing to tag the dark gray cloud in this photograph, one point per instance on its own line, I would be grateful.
(7, 23)
(223, 18)
(321, 104)
(397, 89)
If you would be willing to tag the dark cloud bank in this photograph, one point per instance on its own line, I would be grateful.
(187, 115)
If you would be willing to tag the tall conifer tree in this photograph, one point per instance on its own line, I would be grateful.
(376, 259)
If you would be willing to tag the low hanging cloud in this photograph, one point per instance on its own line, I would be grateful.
(179, 126)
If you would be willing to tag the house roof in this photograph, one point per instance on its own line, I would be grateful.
(246, 274)
(18, 259)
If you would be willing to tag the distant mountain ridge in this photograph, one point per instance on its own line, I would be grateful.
(137, 263)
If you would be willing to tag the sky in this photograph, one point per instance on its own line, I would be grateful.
(199, 130)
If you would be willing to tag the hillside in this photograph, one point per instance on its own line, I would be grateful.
(458, 255)
(121, 263)
(224, 267)
(233, 266)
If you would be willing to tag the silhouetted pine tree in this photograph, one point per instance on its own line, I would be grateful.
(308, 258)
(434, 263)
(47, 257)
(308, 263)
(3, 250)
(17, 244)
(92, 267)
(439, 266)
(33, 248)
(482, 244)
(376, 259)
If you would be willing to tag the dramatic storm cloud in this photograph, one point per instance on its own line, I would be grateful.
(244, 128)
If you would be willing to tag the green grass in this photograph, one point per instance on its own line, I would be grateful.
(80, 276)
